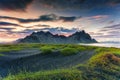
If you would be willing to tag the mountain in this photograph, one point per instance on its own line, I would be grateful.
(47, 37)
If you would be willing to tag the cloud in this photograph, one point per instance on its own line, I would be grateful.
(21, 5)
(43, 18)
(111, 22)
(12, 28)
(97, 17)
(16, 28)
(8, 29)
(75, 4)
(57, 30)
(60, 30)
(68, 19)
(39, 25)
(14, 5)
(94, 34)
(114, 2)
(112, 31)
(27, 31)
(107, 36)
(60, 4)
(115, 27)
(9, 36)
(9, 24)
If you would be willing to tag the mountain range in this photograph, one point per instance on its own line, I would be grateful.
(49, 38)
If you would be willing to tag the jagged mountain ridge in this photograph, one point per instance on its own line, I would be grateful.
(47, 37)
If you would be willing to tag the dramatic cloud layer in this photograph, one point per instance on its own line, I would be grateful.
(44, 18)
(76, 4)
(100, 18)
(16, 5)
(21, 5)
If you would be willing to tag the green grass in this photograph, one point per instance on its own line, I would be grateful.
(62, 74)
(17, 47)
(104, 60)
(1, 54)
(65, 50)
(103, 65)
(68, 51)
(104, 55)
(7, 48)
(46, 50)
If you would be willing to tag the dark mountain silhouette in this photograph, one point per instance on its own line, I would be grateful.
(47, 37)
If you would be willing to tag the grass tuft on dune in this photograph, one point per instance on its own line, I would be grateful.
(68, 51)
(62, 74)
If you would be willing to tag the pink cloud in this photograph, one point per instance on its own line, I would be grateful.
(4, 36)
(98, 17)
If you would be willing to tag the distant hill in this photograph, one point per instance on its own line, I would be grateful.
(47, 37)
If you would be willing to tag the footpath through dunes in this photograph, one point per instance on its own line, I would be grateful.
(9, 57)
(12, 55)
(33, 60)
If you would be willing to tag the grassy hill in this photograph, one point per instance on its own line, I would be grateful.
(59, 62)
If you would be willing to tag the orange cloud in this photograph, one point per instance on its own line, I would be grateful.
(7, 37)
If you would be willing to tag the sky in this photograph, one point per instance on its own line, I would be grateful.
(99, 18)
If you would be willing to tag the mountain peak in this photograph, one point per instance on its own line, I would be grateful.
(48, 37)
